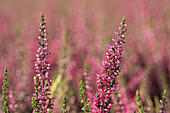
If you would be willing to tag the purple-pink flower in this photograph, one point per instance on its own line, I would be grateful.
(110, 70)
(41, 100)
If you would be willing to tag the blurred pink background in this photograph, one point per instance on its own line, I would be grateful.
(79, 34)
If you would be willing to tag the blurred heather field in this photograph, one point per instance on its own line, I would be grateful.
(79, 34)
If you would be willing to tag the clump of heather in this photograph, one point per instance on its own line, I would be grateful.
(41, 100)
(163, 102)
(110, 70)
(85, 101)
(139, 102)
(5, 92)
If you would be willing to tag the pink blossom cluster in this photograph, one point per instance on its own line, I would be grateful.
(110, 70)
(41, 100)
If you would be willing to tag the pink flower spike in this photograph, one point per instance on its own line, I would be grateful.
(107, 82)
(42, 80)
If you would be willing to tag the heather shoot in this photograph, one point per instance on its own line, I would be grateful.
(163, 102)
(5, 92)
(139, 102)
(64, 104)
(41, 100)
(110, 70)
(85, 101)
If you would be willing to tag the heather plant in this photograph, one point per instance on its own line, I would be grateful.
(64, 104)
(139, 102)
(88, 83)
(86, 106)
(163, 102)
(5, 93)
(110, 70)
(41, 100)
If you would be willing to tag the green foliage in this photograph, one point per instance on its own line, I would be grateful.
(5, 92)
